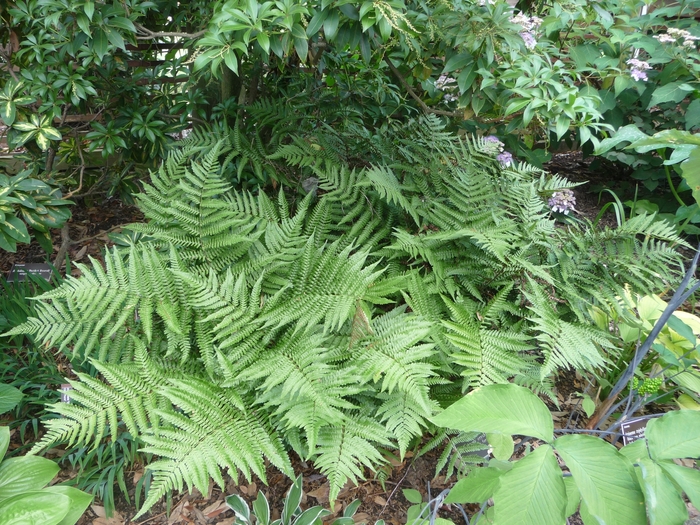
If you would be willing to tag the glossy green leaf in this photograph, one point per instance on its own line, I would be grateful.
(477, 487)
(24, 474)
(506, 409)
(239, 507)
(533, 492)
(34, 508)
(690, 169)
(686, 478)
(604, 479)
(671, 92)
(16, 229)
(663, 503)
(674, 435)
(413, 496)
(79, 502)
(4, 441)
(502, 445)
(8, 111)
(573, 496)
(261, 509)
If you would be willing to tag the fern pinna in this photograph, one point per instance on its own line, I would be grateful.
(240, 326)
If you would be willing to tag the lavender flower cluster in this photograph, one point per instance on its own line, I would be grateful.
(562, 201)
(673, 34)
(494, 147)
(446, 84)
(530, 24)
(638, 69)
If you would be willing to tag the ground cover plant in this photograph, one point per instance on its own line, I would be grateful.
(334, 321)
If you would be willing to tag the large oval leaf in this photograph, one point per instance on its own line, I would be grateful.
(477, 487)
(20, 475)
(533, 492)
(79, 502)
(503, 409)
(604, 479)
(664, 504)
(34, 508)
(674, 435)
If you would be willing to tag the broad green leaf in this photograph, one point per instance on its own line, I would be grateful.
(100, 43)
(4, 441)
(505, 409)
(301, 45)
(292, 501)
(8, 112)
(685, 402)
(239, 507)
(79, 502)
(330, 25)
(42, 141)
(674, 435)
(24, 474)
(412, 496)
(261, 508)
(34, 508)
(663, 503)
(25, 126)
(51, 133)
(604, 479)
(573, 496)
(629, 133)
(635, 451)
(687, 479)
(316, 23)
(17, 229)
(9, 397)
(671, 92)
(690, 170)
(264, 42)
(122, 23)
(457, 61)
(533, 492)
(477, 487)
(502, 445)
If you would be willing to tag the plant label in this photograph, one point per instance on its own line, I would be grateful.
(633, 429)
(65, 389)
(19, 271)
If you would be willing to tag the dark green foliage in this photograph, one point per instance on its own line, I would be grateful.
(337, 322)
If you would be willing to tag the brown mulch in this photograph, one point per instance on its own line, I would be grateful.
(88, 231)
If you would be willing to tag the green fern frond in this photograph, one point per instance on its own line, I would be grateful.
(215, 431)
(342, 450)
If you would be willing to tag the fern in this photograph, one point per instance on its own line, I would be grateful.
(335, 321)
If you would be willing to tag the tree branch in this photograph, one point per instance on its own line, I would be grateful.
(415, 97)
(147, 34)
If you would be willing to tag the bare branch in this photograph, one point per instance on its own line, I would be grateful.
(147, 34)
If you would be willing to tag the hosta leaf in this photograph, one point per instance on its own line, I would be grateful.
(24, 474)
(34, 508)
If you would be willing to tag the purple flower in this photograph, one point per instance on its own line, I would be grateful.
(505, 158)
(492, 146)
(529, 39)
(562, 201)
(638, 74)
